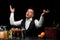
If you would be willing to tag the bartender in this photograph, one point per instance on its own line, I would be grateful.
(28, 23)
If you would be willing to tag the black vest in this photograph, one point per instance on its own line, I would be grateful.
(32, 31)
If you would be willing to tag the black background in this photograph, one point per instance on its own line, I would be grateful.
(22, 5)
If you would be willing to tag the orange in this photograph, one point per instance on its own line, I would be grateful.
(41, 35)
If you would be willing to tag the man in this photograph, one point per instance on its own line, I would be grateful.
(29, 24)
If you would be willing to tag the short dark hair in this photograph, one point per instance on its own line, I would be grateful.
(31, 9)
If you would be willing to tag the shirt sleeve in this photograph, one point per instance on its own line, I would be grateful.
(40, 22)
(13, 22)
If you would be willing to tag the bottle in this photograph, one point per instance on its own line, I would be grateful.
(54, 24)
(57, 25)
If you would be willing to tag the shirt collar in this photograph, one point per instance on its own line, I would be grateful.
(30, 19)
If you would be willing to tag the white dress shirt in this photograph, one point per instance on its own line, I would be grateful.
(27, 22)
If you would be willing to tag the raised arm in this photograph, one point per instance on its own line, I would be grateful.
(12, 21)
(40, 22)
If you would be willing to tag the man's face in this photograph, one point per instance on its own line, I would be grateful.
(29, 13)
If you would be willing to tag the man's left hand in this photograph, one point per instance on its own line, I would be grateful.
(45, 12)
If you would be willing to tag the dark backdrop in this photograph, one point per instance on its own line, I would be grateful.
(22, 5)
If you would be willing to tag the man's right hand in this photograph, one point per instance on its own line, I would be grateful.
(12, 9)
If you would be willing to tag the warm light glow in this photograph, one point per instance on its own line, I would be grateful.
(1, 34)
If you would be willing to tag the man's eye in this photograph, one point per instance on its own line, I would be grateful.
(31, 12)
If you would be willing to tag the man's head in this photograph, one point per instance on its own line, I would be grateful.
(29, 13)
